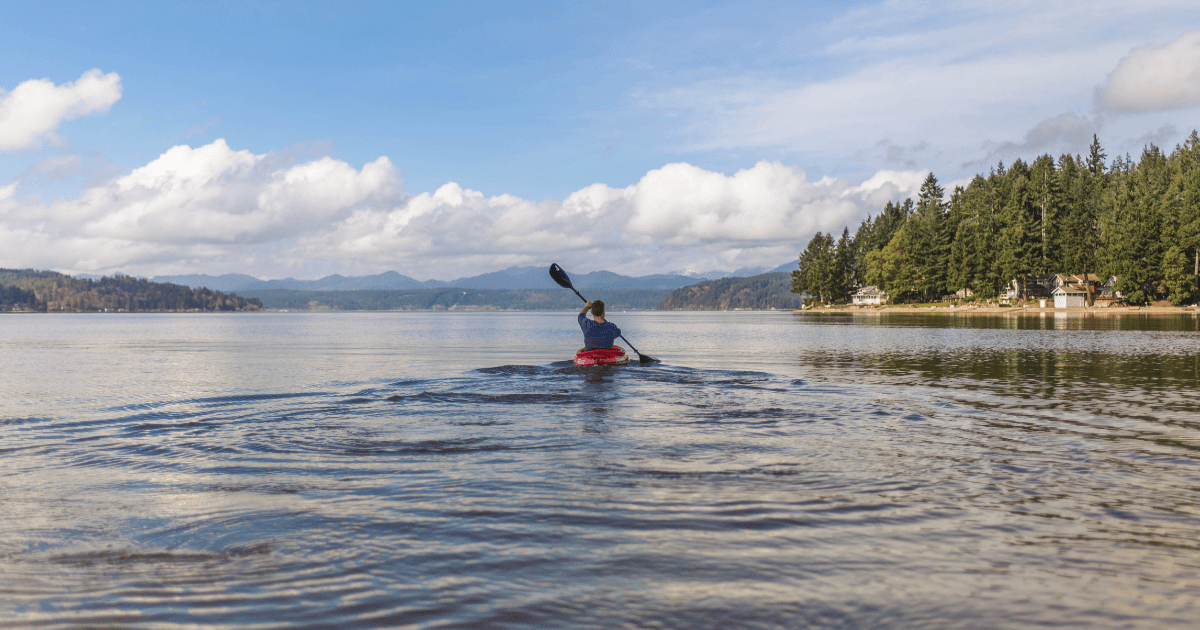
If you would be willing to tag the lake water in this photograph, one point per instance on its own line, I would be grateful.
(453, 470)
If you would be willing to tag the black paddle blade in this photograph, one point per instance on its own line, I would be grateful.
(645, 359)
(560, 276)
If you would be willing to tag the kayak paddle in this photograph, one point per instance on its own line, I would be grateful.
(564, 281)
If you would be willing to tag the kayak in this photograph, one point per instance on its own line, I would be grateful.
(602, 356)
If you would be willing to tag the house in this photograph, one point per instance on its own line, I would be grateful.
(1077, 280)
(1069, 296)
(869, 295)
(1049, 284)
(1012, 291)
(964, 293)
(1041, 286)
(1032, 287)
(1107, 294)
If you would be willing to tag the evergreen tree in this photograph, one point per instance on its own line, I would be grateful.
(814, 274)
(926, 251)
(1046, 196)
(968, 246)
(1018, 253)
(845, 268)
(1132, 244)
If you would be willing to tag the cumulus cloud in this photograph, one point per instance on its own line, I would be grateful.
(32, 112)
(678, 216)
(214, 209)
(199, 204)
(1155, 78)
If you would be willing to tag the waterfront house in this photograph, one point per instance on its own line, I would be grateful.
(1072, 284)
(1108, 294)
(869, 295)
(1032, 287)
(1011, 292)
(1070, 296)
(1079, 280)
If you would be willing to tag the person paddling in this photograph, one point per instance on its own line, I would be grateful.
(598, 334)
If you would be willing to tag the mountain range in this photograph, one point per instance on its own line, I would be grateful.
(513, 278)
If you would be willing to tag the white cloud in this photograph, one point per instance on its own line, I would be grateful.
(190, 204)
(678, 216)
(212, 209)
(1155, 78)
(33, 111)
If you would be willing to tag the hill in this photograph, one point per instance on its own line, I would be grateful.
(762, 292)
(50, 291)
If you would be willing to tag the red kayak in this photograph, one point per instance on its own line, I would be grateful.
(602, 356)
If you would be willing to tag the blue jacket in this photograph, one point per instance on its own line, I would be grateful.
(597, 335)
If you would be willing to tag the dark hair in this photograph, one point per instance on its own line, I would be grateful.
(598, 308)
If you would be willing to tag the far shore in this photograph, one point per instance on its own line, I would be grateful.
(1006, 310)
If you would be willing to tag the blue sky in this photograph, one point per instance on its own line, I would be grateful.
(215, 137)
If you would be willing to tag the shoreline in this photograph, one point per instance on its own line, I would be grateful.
(1009, 310)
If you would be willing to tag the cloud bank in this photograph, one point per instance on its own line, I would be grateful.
(1155, 78)
(32, 112)
(214, 209)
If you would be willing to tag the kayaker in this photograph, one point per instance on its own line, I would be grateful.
(598, 334)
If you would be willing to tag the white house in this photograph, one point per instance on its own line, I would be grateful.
(869, 295)
(1070, 296)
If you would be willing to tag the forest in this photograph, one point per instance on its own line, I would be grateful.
(50, 291)
(1138, 221)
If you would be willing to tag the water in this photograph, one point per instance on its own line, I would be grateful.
(451, 470)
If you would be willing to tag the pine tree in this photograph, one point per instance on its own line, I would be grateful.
(815, 268)
(844, 268)
(1047, 198)
(927, 252)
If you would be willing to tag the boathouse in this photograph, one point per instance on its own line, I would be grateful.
(1070, 296)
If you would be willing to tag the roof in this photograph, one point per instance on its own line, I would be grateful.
(1066, 288)
(1079, 277)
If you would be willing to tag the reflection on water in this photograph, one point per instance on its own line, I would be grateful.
(455, 470)
(1186, 321)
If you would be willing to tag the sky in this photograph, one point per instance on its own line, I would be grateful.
(442, 140)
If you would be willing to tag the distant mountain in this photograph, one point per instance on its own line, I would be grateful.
(511, 279)
(761, 292)
(227, 282)
(519, 278)
(387, 281)
(744, 272)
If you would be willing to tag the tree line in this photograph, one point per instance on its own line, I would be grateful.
(50, 291)
(1138, 221)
